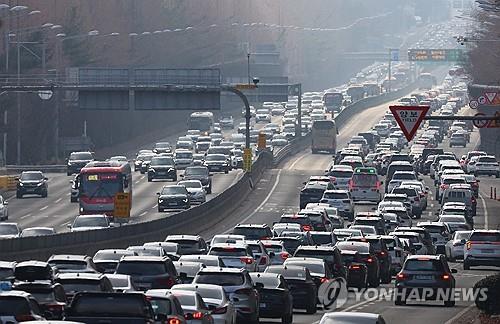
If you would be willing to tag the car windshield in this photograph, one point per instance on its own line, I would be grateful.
(13, 306)
(423, 265)
(81, 156)
(162, 161)
(8, 229)
(173, 190)
(143, 268)
(31, 176)
(86, 221)
(215, 157)
(220, 279)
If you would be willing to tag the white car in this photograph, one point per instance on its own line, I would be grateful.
(9, 230)
(183, 158)
(195, 189)
(89, 222)
(347, 317)
(396, 251)
(340, 175)
(454, 248)
(262, 115)
(340, 199)
(278, 228)
(482, 248)
(4, 209)
(235, 255)
(487, 165)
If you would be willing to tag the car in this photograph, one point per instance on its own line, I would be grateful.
(227, 122)
(301, 284)
(235, 255)
(253, 231)
(18, 305)
(171, 249)
(107, 259)
(74, 283)
(77, 160)
(340, 199)
(458, 139)
(207, 260)
(398, 177)
(162, 147)
(51, 297)
(200, 173)
(279, 253)
(31, 271)
(89, 222)
(149, 272)
(413, 197)
(357, 271)
(440, 233)
(149, 250)
(455, 222)
(377, 243)
(368, 256)
(323, 238)
(111, 307)
(188, 244)
(173, 197)
(261, 256)
(4, 209)
(348, 317)
(396, 251)
(482, 248)
(319, 219)
(275, 296)
(217, 163)
(319, 269)
(377, 222)
(37, 231)
(9, 230)
(32, 183)
(313, 192)
(187, 270)
(424, 235)
(166, 305)
(238, 285)
(196, 191)
(262, 115)
(142, 161)
(183, 158)
(454, 248)
(222, 308)
(162, 167)
(330, 254)
(236, 158)
(487, 164)
(73, 263)
(425, 271)
(460, 193)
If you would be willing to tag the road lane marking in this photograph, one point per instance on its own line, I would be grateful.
(143, 213)
(68, 194)
(457, 316)
(25, 216)
(58, 200)
(43, 208)
(297, 161)
(154, 206)
(486, 223)
(263, 202)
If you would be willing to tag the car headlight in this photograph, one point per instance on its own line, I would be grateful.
(21, 184)
(152, 170)
(69, 163)
(39, 184)
(160, 201)
(185, 200)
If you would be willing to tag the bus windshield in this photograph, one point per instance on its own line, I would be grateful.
(201, 123)
(102, 185)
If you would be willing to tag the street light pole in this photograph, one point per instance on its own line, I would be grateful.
(18, 125)
(248, 67)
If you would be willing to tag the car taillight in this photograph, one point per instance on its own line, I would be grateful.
(263, 260)
(468, 245)
(473, 200)
(198, 315)
(382, 253)
(417, 198)
(369, 260)
(284, 255)
(55, 307)
(24, 318)
(323, 280)
(333, 179)
(220, 310)
(165, 282)
(354, 267)
(443, 186)
(445, 276)
(350, 184)
(306, 228)
(246, 260)
(244, 291)
(174, 321)
(401, 276)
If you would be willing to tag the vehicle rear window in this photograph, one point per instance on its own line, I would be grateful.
(251, 232)
(288, 273)
(268, 282)
(116, 305)
(324, 255)
(313, 267)
(185, 244)
(456, 194)
(336, 195)
(322, 238)
(364, 180)
(353, 247)
(436, 229)
(161, 305)
(340, 174)
(186, 300)
(228, 251)
(69, 265)
(487, 159)
(76, 285)
(221, 279)
(408, 191)
(291, 245)
(12, 306)
(485, 237)
(423, 265)
(296, 220)
(6, 273)
(453, 180)
(323, 124)
(141, 268)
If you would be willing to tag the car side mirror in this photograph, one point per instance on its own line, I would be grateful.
(157, 193)
(210, 174)
(182, 176)
(463, 241)
(454, 271)
(69, 226)
(5, 203)
(45, 178)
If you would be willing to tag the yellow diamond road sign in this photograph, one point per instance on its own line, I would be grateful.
(245, 86)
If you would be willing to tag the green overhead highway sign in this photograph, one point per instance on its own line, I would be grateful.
(436, 55)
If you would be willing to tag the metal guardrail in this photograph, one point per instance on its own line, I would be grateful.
(43, 168)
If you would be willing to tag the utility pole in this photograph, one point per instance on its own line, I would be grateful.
(248, 67)
(18, 125)
(389, 72)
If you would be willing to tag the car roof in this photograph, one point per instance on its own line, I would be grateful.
(316, 247)
(424, 257)
(252, 225)
(78, 275)
(222, 270)
(236, 245)
(182, 236)
(143, 258)
(73, 257)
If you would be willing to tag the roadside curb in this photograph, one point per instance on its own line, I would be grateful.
(473, 315)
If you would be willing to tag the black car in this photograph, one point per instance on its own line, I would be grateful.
(50, 296)
(368, 256)
(77, 160)
(318, 268)
(425, 271)
(162, 167)
(313, 191)
(289, 243)
(253, 231)
(33, 271)
(330, 254)
(357, 271)
(217, 163)
(384, 258)
(275, 296)
(32, 183)
(301, 284)
(149, 272)
(173, 197)
(199, 173)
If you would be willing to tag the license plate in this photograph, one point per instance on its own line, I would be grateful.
(172, 204)
(422, 277)
(30, 190)
(162, 173)
(486, 251)
(262, 305)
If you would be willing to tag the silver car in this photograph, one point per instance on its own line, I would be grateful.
(454, 248)
(195, 189)
(195, 309)
(223, 310)
(235, 255)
